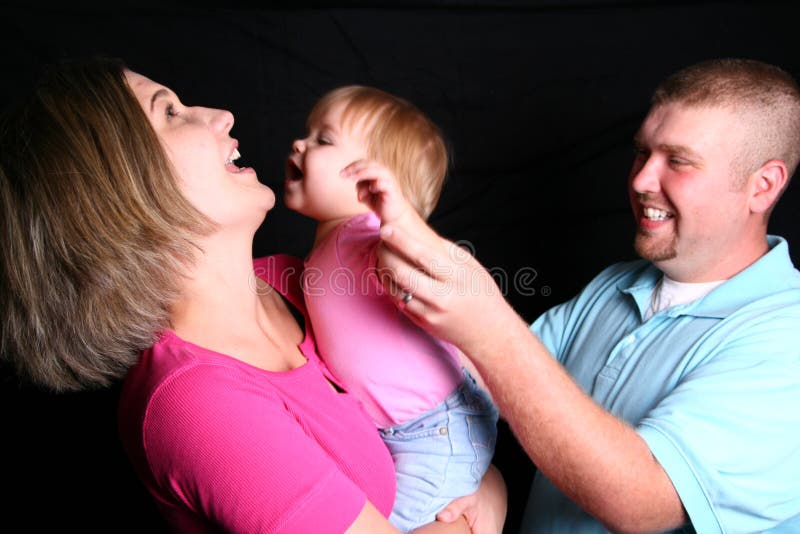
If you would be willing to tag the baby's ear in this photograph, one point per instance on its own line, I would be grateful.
(766, 184)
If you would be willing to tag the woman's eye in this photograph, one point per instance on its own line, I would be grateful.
(170, 111)
(323, 141)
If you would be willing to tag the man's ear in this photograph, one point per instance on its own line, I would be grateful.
(768, 181)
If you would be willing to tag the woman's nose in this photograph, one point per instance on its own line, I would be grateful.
(225, 119)
(220, 120)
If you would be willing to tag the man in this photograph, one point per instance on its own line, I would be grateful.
(667, 393)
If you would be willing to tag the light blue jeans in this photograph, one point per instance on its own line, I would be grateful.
(441, 455)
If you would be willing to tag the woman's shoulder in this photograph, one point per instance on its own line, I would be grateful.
(180, 390)
(173, 363)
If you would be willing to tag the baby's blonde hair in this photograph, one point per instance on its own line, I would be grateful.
(398, 136)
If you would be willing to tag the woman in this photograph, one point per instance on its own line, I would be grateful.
(127, 241)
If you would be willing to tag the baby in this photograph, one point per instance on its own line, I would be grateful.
(438, 423)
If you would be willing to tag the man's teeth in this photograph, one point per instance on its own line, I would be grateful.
(234, 156)
(656, 215)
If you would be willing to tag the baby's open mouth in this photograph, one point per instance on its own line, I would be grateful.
(293, 172)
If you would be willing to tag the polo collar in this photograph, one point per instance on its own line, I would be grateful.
(771, 273)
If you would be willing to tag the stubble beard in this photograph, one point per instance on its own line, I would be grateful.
(650, 248)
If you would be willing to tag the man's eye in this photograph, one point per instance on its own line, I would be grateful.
(678, 161)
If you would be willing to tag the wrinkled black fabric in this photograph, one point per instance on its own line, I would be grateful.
(538, 101)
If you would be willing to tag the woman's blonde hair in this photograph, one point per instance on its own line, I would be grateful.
(95, 234)
(398, 135)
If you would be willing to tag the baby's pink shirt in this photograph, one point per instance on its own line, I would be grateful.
(395, 368)
(223, 445)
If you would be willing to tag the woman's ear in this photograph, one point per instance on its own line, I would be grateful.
(768, 181)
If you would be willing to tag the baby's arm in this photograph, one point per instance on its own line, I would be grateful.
(378, 188)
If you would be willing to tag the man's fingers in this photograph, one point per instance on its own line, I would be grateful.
(363, 170)
(405, 278)
(406, 296)
(424, 252)
(353, 168)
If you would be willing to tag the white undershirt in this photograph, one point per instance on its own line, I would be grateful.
(668, 293)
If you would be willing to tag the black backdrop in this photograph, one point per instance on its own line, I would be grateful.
(538, 99)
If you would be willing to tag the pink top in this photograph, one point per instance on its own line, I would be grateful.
(221, 444)
(396, 369)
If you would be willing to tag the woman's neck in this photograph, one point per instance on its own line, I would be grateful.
(224, 307)
(219, 290)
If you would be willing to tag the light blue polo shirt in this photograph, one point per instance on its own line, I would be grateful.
(712, 386)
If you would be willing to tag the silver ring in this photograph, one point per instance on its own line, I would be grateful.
(407, 298)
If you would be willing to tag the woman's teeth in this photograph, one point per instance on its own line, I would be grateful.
(233, 157)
